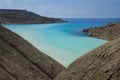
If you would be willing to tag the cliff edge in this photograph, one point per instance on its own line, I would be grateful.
(19, 60)
(108, 32)
(102, 63)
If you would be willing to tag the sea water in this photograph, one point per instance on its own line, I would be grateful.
(64, 42)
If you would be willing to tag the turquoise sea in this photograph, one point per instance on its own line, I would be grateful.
(64, 42)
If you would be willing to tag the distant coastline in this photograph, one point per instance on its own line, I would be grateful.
(11, 16)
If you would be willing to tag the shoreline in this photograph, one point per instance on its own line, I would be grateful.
(108, 32)
(21, 49)
(31, 23)
(45, 39)
(92, 55)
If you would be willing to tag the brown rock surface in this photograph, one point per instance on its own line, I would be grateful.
(4, 75)
(19, 60)
(102, 63)
(108, 32)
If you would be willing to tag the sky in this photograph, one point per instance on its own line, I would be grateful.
(67, 8)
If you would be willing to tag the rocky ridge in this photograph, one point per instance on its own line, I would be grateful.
(11, 16)
(103, 63)
(108, 32)
(19, 60)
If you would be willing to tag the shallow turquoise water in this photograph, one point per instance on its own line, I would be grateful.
(64, 41)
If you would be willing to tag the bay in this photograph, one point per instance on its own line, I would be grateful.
(64, 42)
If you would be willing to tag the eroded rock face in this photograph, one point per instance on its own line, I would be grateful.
(19, 60)
(4, 75)
(108, 32)
(102, 63)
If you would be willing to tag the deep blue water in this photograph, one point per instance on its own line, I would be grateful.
(64, 42)
(92, 20)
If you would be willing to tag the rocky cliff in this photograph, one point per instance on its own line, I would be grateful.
(102, 63)
(19, 60)
(8, 16)
(108, 32)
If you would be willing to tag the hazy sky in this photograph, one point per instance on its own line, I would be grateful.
(67, 8)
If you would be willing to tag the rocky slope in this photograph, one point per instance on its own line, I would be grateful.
(19, 60)
(108, 32)
(102, 63)
(22, 16)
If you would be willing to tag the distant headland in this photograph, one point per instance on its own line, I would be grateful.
(108, 32)
(13, 16)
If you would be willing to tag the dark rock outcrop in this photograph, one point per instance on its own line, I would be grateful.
(108, 32)
(8, 16)
(102, 63)
(19, 60)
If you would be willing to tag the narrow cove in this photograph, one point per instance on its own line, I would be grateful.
(64, 42)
